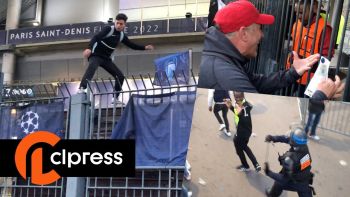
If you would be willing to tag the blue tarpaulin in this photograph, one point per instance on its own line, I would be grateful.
(172, 69)
(161, 126)
(17, 122)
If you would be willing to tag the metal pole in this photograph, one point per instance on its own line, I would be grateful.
(79, 108)
(1, 85)
(338, 7)
(346, 97)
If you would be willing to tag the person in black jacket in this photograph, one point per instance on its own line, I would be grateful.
(243, 122)
(101, 48)
(296, 172)
(316, 107)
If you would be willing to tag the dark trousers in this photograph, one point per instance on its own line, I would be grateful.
(241, 146)
(223, 108)
(312, 121)
(281, 184)
(109, 66)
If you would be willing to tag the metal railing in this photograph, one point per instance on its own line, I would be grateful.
(23, 94)
(104, 113)
(333, 119)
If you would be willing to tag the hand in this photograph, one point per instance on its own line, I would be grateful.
(332, 89)
(269, 138)
(210, 108)
(228, 103)
(266, 168)
(303, 65)
(87, 53)
(149, 47)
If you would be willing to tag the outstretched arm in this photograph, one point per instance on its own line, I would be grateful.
(277, 138)
(134, 46)
(282, 79)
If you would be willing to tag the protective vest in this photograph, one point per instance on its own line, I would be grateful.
(297, 164)
(302, 43)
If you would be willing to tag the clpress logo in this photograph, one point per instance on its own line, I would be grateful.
(37, 174)
(45, 158)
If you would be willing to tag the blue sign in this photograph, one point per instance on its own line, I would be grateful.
(172, 69)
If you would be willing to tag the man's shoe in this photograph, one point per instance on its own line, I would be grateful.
(222, 127)
(257, 167)
(82, 91)
(228, 133)
(242, 168)
(314, 137)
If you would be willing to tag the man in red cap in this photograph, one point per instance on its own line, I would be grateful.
(230, 44)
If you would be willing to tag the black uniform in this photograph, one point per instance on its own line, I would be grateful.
(296, 170)
(102, 46)
(244, 130)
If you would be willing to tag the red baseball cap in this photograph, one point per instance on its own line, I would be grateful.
(239, 14)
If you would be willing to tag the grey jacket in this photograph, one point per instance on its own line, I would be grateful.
(223, 68)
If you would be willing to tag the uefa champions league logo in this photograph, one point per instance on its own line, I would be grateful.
(170, 69)
(29, 122)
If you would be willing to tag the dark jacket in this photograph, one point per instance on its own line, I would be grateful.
(296, 162)
(104, 43)
(244, 127)
(220, 95)
(316, 106)
(223, 67)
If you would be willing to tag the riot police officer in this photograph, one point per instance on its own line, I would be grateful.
(296, 172)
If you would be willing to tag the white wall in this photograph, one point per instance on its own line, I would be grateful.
(57, 12)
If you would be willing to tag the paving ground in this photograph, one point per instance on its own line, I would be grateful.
(213, 159)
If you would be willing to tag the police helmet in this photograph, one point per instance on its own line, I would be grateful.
(298, 137)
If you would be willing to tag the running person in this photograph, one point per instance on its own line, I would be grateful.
(101, 48)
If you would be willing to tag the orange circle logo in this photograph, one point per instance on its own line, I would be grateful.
(37, 175)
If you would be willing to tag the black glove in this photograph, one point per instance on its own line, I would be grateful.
(267, 168)
(269, 138)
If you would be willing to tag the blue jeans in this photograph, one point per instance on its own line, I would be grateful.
(312, 121)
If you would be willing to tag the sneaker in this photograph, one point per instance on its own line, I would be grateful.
(82, 91)
(187, 165)
(187, 175)
(314, 137)
(117, 102)
(242, 168)
(228, 133)
(257, 167)
(222, 127)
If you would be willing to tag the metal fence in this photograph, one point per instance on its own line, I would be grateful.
(23, 94)
(99, 118)
(104, 113)
(334, 118)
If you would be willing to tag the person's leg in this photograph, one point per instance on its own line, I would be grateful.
(249, 152)
(112, 69)
(224, 116)
(303, 189)
(308, 124)
(239, 150)
(94, 62)
(216, 113)
(276, 190)
(315, 122)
